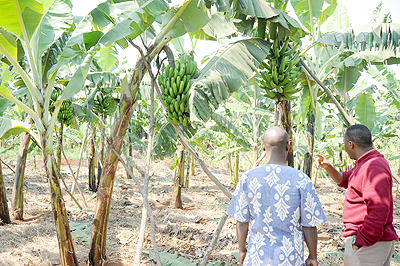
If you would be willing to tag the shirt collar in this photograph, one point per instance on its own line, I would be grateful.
(366, 155)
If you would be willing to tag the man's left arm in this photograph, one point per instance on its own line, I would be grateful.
(241, 233)
(311, 238)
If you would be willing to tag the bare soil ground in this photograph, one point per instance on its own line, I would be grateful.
(185, 232)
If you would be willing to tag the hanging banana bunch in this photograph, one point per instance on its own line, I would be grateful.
(174, 85)
(55, 93)
(103, 102)
(66, 113)
(279, 74)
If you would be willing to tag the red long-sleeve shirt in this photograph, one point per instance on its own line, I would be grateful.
(368, 204)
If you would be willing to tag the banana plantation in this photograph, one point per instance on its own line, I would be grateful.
(125, 125)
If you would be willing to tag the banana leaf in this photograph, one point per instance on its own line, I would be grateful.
(224, 74)
(255, 8)
(365, 110)
(219, 26)
(233, 132)
(375, 43)
(317, 10)
(348, 78)
(340, 19)
(10, 127)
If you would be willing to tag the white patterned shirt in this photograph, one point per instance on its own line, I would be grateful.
(278, 200)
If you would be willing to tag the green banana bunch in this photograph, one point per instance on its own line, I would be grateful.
(279, 74)
(56, 92)
(66, 113)
(103, 102)
(174, 83)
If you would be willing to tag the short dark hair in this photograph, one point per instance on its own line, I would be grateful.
(360, 135)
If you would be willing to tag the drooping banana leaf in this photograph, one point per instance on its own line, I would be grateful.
(340, 19)
(348, 77)
(317, 10)
(222, 5)
(86, 114)
(54, 23)
(13, 127)
(294, 29)
(224, 74)
(219, 26)
(245, 108)
(166, 139)
(78, 79)
(29, 11)
(98, 79)
(192, 20)
(224, 125)
(247, 9)
(365, 110)
(107, 58)
(390, 82)
(372, 42)
(255, 8)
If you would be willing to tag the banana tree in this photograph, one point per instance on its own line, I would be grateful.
(37, 25)
(102, 103)
(175, 22)
(16, 84)
(251, 52)
(312, 14)
(274, 24)
(374, 43)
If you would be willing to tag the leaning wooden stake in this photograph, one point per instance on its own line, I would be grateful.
(145, 195)
(328, 92)
(146, 203)
(75, 179)
(259, 160)
(214, 240)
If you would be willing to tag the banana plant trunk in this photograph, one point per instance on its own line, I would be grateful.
(130, 152)
(286, 121)
(229, 158)
(59, 146)
(176, 201)
(192, 165)
(65, 243)
(97, 253)
(236, 175)
(17, 198)
(4, 214)
(101, 157)
(256, 124)
(308, 157)
(187, 175)
(186, 181)
(93, 184)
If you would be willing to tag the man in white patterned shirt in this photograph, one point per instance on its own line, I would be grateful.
(277, 205)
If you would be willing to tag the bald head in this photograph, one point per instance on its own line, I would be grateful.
(275, 137)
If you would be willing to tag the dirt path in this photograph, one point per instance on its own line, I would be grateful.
(184, 232)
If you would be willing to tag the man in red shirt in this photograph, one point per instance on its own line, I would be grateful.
(368, 204)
